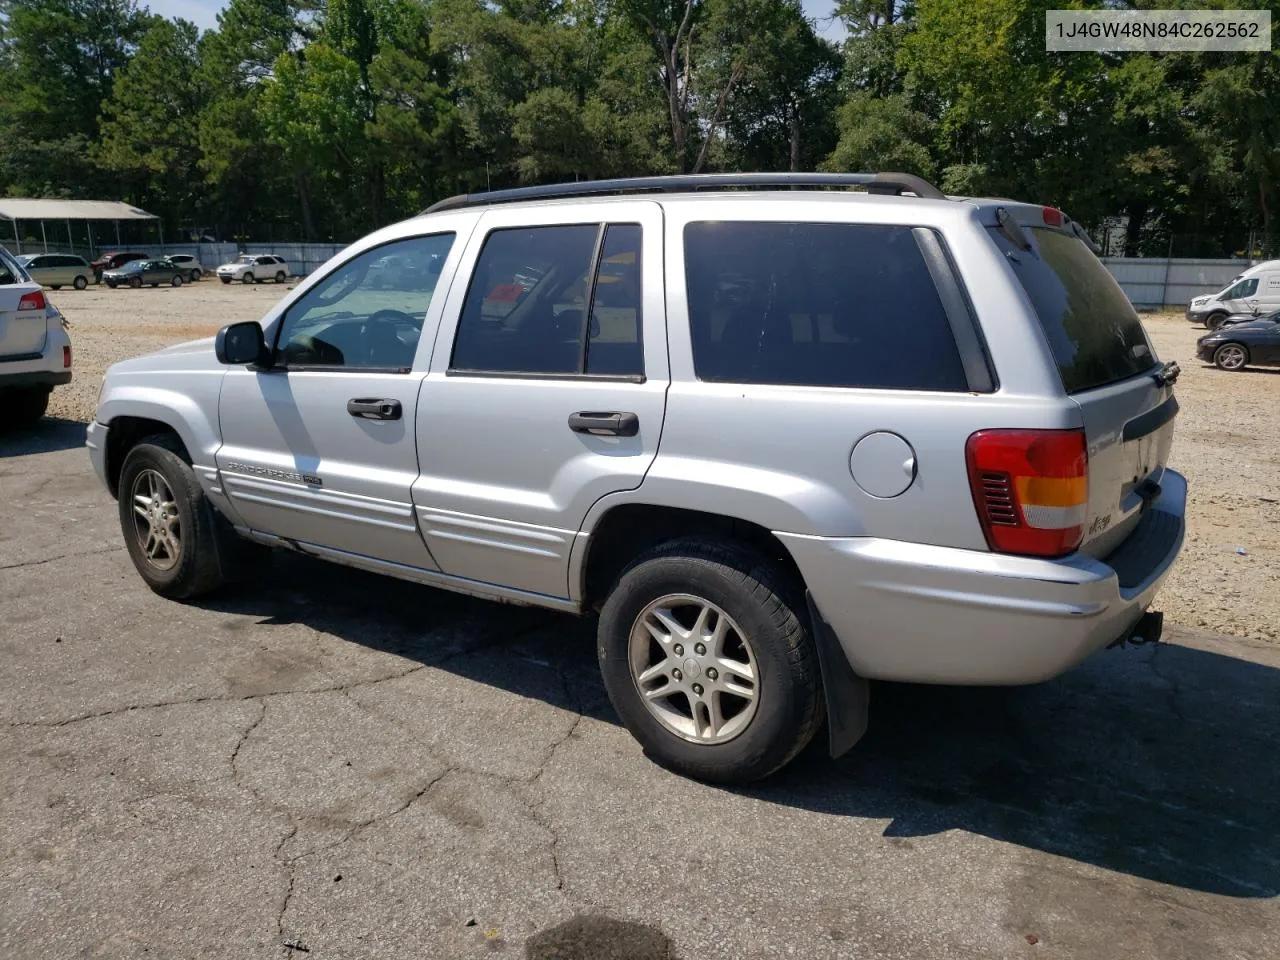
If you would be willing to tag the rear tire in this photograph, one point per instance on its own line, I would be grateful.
(81, 283)
(247, 278)
(279, 276)
(752, 638)
(22, 408)
(55, 286)
(195, 275)
(175, 537)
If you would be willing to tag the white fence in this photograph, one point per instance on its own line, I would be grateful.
(1151, 282)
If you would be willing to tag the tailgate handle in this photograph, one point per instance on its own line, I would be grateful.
(1151, 421)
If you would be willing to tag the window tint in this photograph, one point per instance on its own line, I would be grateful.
(526, 306)
(1092, 329)
(362, 315)
(614, 340)
(819, 304)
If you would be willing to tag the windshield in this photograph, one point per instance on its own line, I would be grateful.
(1092, 328)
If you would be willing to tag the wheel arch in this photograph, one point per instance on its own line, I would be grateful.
(624, 531)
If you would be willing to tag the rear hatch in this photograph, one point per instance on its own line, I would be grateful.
(22, 331)
(1108, 368)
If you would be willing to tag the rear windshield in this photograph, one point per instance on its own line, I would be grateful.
(1093, 330)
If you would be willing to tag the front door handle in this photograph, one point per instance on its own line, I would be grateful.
(613, 424)
(374, 409)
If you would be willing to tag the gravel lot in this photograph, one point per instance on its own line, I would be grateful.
(1228, 439)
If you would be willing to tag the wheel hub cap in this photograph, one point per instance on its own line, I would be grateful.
(694, 668)
(155, 525)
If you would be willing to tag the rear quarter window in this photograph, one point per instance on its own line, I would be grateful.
(1093, 331)
(817, 304)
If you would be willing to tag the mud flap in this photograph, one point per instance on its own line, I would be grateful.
(847, 694)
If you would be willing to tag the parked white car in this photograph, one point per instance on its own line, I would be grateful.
(254, 268)
(35, 350)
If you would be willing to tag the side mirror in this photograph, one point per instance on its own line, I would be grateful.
(242, 343)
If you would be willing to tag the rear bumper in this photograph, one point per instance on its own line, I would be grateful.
(929, 614)
(34, 378)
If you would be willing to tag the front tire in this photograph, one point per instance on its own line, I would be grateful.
(1231, 357)
(177, 280)
(225, 279)
(707, 659)
(1214, 320)
(170, 529)
(247, 278)
(136, 283)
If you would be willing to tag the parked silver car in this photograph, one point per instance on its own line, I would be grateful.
(783, 441)
(35, 349)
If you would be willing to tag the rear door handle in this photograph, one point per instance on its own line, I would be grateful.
(374, 409)
(613, 424)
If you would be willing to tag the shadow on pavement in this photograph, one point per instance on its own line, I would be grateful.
(44, 436)
(1157, 762)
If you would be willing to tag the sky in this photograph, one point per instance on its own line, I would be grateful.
(204, 13)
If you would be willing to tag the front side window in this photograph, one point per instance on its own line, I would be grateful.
(816, 304)
(1245, 288)
(554, 300)
(361, 317)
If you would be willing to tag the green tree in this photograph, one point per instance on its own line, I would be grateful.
(150, 133)
(61, 57)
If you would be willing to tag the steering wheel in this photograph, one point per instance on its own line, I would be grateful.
(383, 341)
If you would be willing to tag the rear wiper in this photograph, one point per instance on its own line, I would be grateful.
(1168, 373)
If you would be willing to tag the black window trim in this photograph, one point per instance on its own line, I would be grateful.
(912, 391)
(975, 357)
(589, 293)
(329, 367)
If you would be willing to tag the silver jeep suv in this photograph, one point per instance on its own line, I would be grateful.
(783, 439)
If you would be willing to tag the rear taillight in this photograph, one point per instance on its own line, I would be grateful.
(1052, 216)
(1031, 489)
(66, 356)
(32, 301)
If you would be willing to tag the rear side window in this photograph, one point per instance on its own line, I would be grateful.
(538, 292)
(1092, 329)
(816, 304)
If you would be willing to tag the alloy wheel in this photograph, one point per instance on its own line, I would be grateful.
(694, 668)
(155, 523)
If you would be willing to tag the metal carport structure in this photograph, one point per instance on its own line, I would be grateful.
(64, 213)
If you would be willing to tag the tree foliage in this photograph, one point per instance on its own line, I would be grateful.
(327, 118)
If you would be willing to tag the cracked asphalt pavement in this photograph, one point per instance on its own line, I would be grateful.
(325, 764)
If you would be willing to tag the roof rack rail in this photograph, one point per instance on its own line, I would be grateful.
(884, 183)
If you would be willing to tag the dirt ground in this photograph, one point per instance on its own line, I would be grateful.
(1227, 442)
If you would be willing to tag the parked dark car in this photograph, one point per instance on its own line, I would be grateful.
(113, 261)
(1234, 318)
(1255, 342)
(153, 272)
